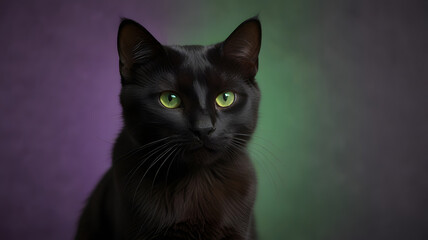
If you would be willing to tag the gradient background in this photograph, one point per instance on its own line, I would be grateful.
(341, 148)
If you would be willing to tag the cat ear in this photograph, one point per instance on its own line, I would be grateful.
(135, 45)
(243, 45)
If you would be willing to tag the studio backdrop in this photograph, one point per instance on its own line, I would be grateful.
(340, 149)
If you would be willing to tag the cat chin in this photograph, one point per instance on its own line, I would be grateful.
(201, 155)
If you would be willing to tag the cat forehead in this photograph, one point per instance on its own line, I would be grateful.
(193, 57)
(193, 66)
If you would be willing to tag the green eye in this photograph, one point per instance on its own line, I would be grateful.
(225, 99)
(170, 100)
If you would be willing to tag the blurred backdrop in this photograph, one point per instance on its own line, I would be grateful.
(341, 148)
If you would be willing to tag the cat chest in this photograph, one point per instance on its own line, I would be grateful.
(215, 218)
(213, 215)
(200, 209)
(201, 230)
(215, 202)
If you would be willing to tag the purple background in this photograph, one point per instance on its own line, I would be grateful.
(58, 107)
(59, 111)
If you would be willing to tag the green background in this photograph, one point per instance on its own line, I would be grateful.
(300, 194)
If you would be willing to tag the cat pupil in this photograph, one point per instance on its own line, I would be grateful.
(225, 96)
(170, 96)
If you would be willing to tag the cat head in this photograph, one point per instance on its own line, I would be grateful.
(200, 100)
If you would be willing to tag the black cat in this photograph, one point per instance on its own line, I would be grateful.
(180, 165)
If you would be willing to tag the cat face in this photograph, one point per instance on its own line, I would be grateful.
(199, 98)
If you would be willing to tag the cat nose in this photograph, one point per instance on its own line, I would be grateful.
(202, 132)
(202, 126)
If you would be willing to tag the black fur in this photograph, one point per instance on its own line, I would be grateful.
(180, 173)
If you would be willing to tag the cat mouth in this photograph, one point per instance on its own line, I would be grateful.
(200, 145)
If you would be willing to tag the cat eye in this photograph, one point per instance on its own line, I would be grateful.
(225, 99)
(170, 100)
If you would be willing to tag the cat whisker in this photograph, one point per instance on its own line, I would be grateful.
(261, 149)
(260, 145)
(270, 143)
(273, 160)
(148, 169)
(258, 137)
(166, 158)
(126, 155)
(267, 160)
(144, 159)
(231, 151)
(172, 160)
